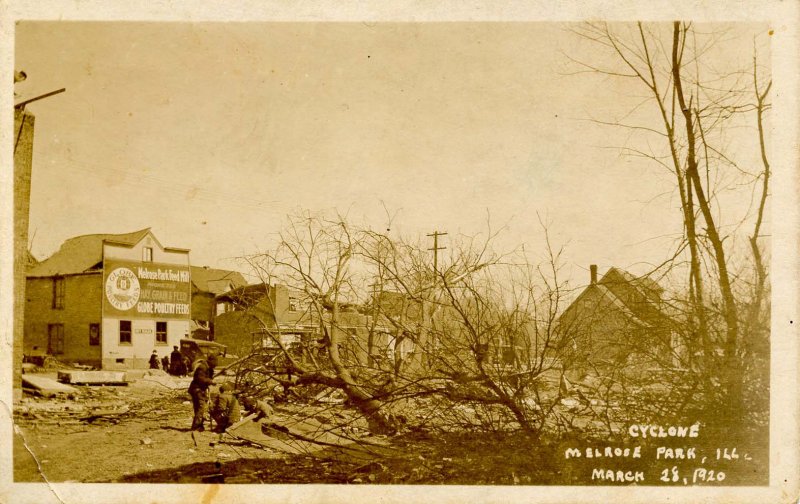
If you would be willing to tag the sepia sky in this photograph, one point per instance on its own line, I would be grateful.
(212, 133)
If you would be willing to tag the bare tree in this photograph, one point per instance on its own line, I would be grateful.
(694, 111)
(478, 331)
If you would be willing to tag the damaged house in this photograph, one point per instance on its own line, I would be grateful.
(618, 320)
(244, 315)
(251, 318)
(392, 331)
(207, 284)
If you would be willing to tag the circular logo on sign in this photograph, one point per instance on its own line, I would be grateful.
(122, 289)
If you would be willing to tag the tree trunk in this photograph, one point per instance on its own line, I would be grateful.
(731, 375)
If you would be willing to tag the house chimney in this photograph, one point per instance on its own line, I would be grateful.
(593, 271)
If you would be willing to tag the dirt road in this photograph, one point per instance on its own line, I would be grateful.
(154, 436)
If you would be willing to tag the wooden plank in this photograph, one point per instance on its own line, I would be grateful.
(309, 439)
(251, 431)
(46, 386)
(93, 377)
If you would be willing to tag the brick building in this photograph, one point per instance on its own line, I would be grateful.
(243, 315)
(108, 300)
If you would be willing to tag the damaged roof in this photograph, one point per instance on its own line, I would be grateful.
(216, 281)
(82, 253)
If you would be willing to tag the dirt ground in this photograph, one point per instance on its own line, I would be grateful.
(153, 436)
(151, 442)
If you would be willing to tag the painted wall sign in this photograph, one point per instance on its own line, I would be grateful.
(146, 290)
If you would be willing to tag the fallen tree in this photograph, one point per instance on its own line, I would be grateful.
(368, 315)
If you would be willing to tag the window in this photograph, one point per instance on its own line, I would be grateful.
(55, 339)
(147, 254)
(94, 334)
(294, 305)
(125, 332)
(507, 352)
(58, 293)
(161, 333)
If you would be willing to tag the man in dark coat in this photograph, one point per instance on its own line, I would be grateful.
(176, 362)
(154, 360)
(198, 389)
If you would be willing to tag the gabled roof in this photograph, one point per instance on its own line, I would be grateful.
(216, 281)
(82, 253)
(637, 298)
(641, 295)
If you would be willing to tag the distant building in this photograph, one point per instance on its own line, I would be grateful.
(244, 315)
(108, 300)
(207, 283)
(255, 316)
(618, 320)
(426, 334)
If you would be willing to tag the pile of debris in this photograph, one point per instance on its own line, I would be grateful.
(65, 412)
(49, 364)
(68, 399)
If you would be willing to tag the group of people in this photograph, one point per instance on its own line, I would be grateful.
(175, 364)
(225, 409)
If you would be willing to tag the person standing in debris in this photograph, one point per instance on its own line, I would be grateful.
(226, 410)
(198, 389)
(154, 360)
(176, 367)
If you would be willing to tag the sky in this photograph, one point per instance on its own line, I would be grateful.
(211, 134)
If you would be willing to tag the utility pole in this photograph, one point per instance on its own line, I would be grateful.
(436, 248)
(429, 343)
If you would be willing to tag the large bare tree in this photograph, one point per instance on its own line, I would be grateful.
(477, 331)
(689, 108)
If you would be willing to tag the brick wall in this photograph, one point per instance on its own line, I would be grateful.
(82, 307)
(279, 303)
(23, 157)
(234, 329)
(202, 305)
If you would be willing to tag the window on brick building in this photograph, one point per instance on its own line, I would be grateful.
(161, 333)
(147, 254)
(125, 332)
(55, 339)
(294, 304)
(58, 293)
(94, 334)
